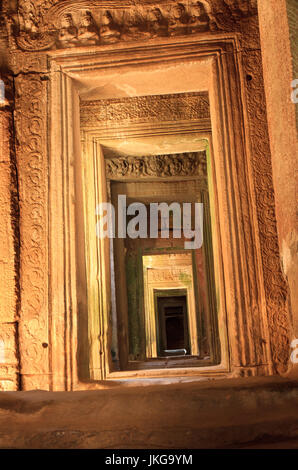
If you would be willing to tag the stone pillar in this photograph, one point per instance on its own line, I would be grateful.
(9, 366)
(278, 65)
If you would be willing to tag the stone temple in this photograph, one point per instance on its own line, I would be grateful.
(129, 113)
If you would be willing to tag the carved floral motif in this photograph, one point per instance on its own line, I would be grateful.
(274, 282)
(31, 136)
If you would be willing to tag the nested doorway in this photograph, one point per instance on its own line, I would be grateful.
(143, 264)
(119, 108)
(172, 323)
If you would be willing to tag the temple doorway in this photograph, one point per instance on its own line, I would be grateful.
(172, 324)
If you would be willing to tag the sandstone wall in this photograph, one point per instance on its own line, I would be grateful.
(8, 253)
(278, 63)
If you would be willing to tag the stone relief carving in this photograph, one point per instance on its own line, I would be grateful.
(109, 30)
(88, 34)
(274, 282)
(32, 32)
(49, 24)
(178, 24)
(187, 164)
(68, 34)
(183, 107)
(170, 274)
(31, 137)
(157, 24)
(199, 20)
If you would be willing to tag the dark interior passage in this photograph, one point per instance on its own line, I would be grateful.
(172, 325)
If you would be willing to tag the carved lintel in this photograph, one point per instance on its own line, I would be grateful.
(162, 166)
(155, 108)
(169, 274)
(47, 24)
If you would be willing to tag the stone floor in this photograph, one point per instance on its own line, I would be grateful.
(224, 413)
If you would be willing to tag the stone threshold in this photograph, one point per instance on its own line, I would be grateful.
(224, 413)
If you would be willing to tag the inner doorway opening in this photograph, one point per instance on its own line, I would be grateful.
(148, 331)
(172, 325)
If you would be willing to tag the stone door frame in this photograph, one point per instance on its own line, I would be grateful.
(171, 281)
(47, 127)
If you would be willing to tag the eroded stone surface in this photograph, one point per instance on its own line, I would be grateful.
(216, 414)
(8, 254)
(278, 75)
